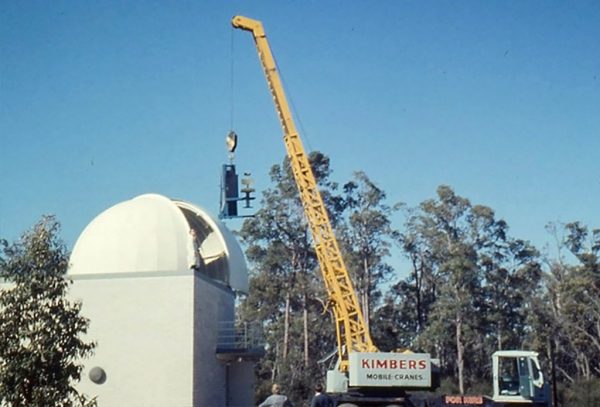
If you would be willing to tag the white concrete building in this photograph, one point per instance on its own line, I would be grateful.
(158, 300)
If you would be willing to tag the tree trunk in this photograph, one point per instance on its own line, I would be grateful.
(274, 371)
(286, 326)
(365, 299)
(305, 318)
(460, 350)
(499, 333)
(418, 276)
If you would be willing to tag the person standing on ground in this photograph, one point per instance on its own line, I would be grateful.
(321, 399)
(276, 399)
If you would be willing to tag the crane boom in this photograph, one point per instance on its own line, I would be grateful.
(351, 330)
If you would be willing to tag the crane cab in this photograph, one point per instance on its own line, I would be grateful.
(518, 378)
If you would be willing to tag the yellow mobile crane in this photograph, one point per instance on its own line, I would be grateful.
(366, 376)
(360, 364)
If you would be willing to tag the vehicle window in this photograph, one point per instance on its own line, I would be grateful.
(509, 376)
(535, 371)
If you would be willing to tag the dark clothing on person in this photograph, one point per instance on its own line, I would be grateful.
(321, 400)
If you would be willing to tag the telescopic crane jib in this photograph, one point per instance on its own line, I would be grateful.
(351, 330)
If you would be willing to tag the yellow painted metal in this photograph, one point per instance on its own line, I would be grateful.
(351, 330)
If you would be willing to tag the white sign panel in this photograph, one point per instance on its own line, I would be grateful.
(383, 369)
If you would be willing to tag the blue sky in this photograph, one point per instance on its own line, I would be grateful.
(103, 101)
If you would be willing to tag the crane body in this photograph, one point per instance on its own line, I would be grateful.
(366, 376)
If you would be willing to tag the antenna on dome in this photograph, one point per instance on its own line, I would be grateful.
(229, 184)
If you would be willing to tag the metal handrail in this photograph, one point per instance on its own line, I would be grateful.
(239, 336)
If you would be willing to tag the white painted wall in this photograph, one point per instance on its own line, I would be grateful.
(143, 327)
(212, 304)
(157, 335)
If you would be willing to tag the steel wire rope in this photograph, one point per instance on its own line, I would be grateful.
(295, 111)
(231, 81)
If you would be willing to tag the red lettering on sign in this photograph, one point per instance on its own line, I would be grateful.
(453, 399)
(473, 399)
(400, 364)
(382, 364)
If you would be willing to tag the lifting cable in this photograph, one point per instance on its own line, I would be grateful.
(231, 82)
(295, 111)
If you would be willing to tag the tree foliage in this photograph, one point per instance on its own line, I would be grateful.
(468, 287)
(286, 286)
(366, 233)
(41, 329)
(573, 296)
(285, 291)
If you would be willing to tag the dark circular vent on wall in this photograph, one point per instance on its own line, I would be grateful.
(97, 375)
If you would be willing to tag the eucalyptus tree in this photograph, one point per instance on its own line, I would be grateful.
(286, 292)
(573, 292)
(417, 293)
(468, 286)
(443, 228)
(367, 235)
(41, 329)
(513, 274)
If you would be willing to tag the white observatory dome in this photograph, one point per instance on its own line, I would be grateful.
(152, 233)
